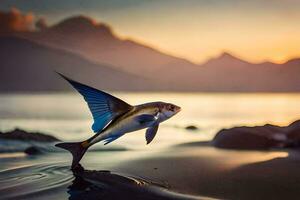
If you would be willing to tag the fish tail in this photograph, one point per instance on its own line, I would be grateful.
(77, 149)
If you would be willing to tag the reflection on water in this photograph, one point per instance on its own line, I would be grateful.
(58, 182)
(12, 155)
(262, 157)
(196, 171)
(29, 182)
(234, 158)
(110, 186)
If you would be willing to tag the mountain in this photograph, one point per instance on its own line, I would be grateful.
(228, 73)
(27, 66)
(92, 52)
(98, 43)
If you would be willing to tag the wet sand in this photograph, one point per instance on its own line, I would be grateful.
(186, 171)
(198, 169)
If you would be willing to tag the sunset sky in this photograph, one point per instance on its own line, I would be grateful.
(255, 30)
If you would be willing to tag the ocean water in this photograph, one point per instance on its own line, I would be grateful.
(66, 115)
(134, 165)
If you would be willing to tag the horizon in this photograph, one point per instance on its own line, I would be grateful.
(248, 38)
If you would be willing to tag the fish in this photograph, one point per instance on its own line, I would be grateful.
(114, 118)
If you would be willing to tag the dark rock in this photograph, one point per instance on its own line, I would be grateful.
(259, 137)
(22, 135)
(241, 138)
(191, 127)
(32, 151)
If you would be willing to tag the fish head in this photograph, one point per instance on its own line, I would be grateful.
(168, 110)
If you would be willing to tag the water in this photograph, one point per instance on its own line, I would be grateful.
(67, 117)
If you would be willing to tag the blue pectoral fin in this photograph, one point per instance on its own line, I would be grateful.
(103, 106)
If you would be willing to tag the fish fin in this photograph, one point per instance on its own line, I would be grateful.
(110, 139)
(145, 118)
(151, 132)
(76, 149)
(103, 106)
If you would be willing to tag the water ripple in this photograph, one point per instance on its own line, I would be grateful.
(54, 181)
(23, 181)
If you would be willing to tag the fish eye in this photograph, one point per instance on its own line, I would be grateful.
(171, 107)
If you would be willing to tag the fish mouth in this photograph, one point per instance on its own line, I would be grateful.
(178, 109)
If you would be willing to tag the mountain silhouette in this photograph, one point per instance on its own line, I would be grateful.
(27, 66)
(98, 43)
(92, 52)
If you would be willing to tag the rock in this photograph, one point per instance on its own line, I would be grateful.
(32, 151)
(259, 137)
(21, 135)
(191, 127)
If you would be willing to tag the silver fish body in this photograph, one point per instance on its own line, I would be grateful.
(114, 118)
(128, 122)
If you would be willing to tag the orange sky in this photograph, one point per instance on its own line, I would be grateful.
(255, 30)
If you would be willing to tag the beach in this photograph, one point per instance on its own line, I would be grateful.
(187, 171)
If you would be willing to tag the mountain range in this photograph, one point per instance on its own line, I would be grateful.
(93, 54)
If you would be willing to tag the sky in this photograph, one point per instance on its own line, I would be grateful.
(254, 30)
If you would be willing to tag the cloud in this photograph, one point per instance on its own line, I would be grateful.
(15, 21)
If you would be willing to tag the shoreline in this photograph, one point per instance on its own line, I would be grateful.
(197, 170)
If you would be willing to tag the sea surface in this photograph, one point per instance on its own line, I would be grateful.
(66, 116)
